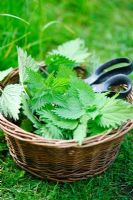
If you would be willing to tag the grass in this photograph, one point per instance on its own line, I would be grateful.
(106, 27)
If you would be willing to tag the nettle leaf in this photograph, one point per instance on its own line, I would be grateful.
(72, 109)
(85, 93)
(114, 113)
(56, 84)
(43, 131)
(10, 100)
(81, 131)
(74, 50)
(56, 120)
(45, 91)
(95, 129)
(55, 132)
(25, 61)
(37, 103)
(4, 74)
(92, 112)
(35, 82)
(27, 111)
(86, 97)
(100, 99)
(37, 89)
(49, 131)
(55, 61)
(65, 72)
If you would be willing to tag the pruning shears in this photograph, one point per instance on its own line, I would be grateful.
(105, 77)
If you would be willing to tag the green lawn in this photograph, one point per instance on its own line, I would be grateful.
(107, 28)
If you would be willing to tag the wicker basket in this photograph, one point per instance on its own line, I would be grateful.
(62, 160)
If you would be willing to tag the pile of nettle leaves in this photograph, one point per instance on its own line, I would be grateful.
(58, 103)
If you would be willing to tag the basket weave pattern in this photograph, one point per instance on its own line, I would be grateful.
(63, 160)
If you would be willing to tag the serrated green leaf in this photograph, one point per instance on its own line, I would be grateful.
(100, 99)
(95, 129)
(25, 61)
(28, 112)
(67, 113)
(56, 84)
(38, 103)
(10, 100)
(71, 110)
(35, 82)
(56, 120)
(55, 61)
(56, 132)
(46, 98)
(5, 73)
(65, 72)
(43, 131)
(81, 131)
(74, 50)
(85, 93)
(49, 131)
(114, 113)
(45, 91)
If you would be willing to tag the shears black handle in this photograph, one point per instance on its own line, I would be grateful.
(119, 79)
(100, 76)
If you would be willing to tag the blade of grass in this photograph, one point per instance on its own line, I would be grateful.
(11, 46)
(14, 16)
(58, 22)
(18, 39)
(49, 24)
(69, 29)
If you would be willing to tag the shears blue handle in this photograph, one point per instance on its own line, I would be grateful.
(100, 76)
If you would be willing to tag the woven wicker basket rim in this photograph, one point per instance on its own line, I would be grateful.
(39, 140)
